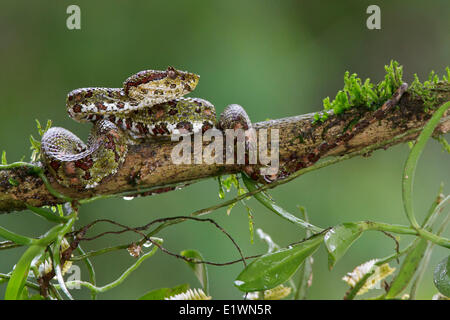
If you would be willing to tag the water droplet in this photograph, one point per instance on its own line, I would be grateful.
(147, 244)
(128, 198)
(239, 283)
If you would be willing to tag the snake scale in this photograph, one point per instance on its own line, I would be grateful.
(150, 105)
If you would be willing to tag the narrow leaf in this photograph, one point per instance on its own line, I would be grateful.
(221, 190)
(15, 237)
(4, 162)
(442, 277)
(48, 215)
(250, 222)
(408, 269)
(20, 273)
(273, 269)
(339, 239)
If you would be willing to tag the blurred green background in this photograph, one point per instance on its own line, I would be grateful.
(277, 59)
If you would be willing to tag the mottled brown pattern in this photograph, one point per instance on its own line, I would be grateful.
(100, 106)
(149, 104)
(186, 125)
(85, 163)
(143, 77)
(76, 108)
(55, 164)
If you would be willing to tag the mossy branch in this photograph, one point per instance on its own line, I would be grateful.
(149, 168)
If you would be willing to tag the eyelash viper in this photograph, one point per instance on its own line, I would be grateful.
(149, 105)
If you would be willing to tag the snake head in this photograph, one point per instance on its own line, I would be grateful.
(186, 79)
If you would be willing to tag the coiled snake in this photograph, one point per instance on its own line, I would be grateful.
(149, 105)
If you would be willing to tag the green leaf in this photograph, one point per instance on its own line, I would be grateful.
(228, 182)
(35, 144)
(4, 162)
(442, 277)
(20, 273)
(444, 143)
(221, 190)
(162, 293)
(199, 268)
(273, 269)
(407, 269)
(40, 129)
(24, 294)
(48, 215)
(15, 237)
(270, 204)
(339, 238)
(250, 222)
(13, 182)
(411, 162)
(37, 248)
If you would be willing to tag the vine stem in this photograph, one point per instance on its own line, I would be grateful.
(119, 280)
(91, 270)
(99, 252)
(379, 226)
(436, 207)
(411, 164)
(6, 277)
(426, 260)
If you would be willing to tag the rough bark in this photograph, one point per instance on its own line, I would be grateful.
(149, 165)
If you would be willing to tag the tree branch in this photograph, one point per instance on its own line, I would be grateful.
(148, 166)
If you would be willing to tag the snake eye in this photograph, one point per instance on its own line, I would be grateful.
(171, 72)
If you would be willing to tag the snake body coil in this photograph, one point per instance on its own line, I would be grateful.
(150, 105)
